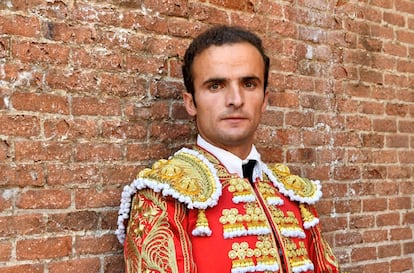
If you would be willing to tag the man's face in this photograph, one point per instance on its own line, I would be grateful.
(229, 96)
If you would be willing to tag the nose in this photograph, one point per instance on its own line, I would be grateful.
(234, 96)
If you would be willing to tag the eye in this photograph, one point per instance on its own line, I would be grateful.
(215, 86)
(250, 84)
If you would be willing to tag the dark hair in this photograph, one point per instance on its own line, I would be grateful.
(218, 36)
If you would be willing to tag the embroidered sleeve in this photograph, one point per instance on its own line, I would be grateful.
(320, 252)
(156, 237)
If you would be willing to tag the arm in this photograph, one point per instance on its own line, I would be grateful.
(320, 252)
(157, 238)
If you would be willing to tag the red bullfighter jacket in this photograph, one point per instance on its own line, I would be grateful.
(188, 214)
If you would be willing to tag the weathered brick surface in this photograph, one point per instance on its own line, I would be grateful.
(90, 93)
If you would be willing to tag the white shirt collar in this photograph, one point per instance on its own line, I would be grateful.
(231, 162)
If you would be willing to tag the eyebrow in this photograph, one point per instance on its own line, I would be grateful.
(219, 80)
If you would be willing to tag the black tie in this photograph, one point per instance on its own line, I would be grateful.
(248, 169)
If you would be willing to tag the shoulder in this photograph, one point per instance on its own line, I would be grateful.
(297, 188)
(186, 176)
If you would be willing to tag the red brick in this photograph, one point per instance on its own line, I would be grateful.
(359, 221)
(406, 126)
(94, 198)
(44, 199)
(98, 59)
(397, 109)
(113, 263)
(272, 154)
(72, 81)
(304, 155)
(384, 125)
(401, 265)
(377, 267)
(158, 110)
(372, 236)
(208, 14)
(70, 128)
(109, 220)
(20, 25)
(358, 123)
(133, 20)
(348, 206)
(408, 248)
(90, 152)
(5, 251)
(94, 107)
(347, 173)
(373, 140)
(389, 251)
(270, 117)
(95, 13)
(4, 47)
(383, 157)
(403, 233)
(73, 221)
(43, 151)
(40, 103)
(396, 172)
(141, 152)
(372, 108)
(395, 49)
(123, 86)
(399, 203)
(388, 219)
(32, 52)
(119, 174)
(404, 36)
(288, 100)
(167, 133)
(30, 249)
(80, 34)
(397, 141)
(405, 156)
(173, 8)
(22, 175)
(24, 126)
(299, 119)
(96, 244)
(26, 268)
(363, 254)
(374, 204)
(334, 189)
(348, 239)
(346, 139)
(84, 265)
(333, 223)
(18, 225)
(124, 130)
(167, 90)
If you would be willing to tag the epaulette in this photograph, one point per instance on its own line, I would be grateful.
(295, 187)
(186, 176)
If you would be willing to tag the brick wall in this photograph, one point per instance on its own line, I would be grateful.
(90, 94)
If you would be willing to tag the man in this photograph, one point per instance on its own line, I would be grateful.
(195, 212)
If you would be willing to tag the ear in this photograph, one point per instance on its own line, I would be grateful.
(189, 104)
(265, 101)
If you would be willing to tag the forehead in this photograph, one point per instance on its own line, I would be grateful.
(228, 61)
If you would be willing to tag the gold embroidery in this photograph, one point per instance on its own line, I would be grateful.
(153, 236)
(186, 174)
(261, 258)
(241, 189)
(297, 255)
(301, 186)
(232, 223)
(288, 224)
(269, 193)
(253, 222)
